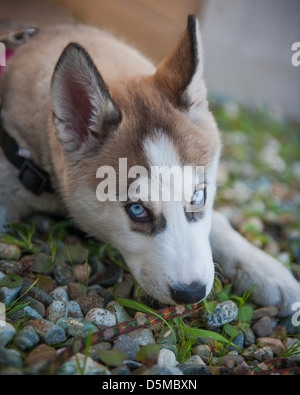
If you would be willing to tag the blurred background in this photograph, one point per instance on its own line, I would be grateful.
(247, 42)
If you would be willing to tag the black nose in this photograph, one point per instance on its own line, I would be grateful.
(185, 294)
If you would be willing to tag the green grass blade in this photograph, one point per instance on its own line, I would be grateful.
(204, 333)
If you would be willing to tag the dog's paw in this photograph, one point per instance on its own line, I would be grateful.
(245, 266)
(274, 284)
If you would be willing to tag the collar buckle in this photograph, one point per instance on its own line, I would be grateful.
(33, 178)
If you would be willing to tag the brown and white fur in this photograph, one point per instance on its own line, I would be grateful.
(81, 106)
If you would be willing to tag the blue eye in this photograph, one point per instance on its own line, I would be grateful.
(199, 197)
(138, 212)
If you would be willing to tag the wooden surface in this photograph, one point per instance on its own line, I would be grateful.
(152, 26)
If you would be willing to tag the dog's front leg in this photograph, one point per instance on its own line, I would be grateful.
(245, 265)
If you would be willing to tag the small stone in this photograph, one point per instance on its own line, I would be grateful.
(195, 370)
(94, 289)
(101, 317)
(241, 369)
(8, 295)
(124, 288)
(229, 357)
(26, 338)
(89, 302)
(106, 295)
(248, 353)
(158, 370)
(37, 293)
(263, 367)
(263, 327)
(109, 276)
(143, 337)
(127, 345)
(263, 354)
(10, 252)
(74, 290)
(120, 371)
(56, 310)
(7, 332)
(275, 344)
(25, 312)
(64, 273)
(11, 371)
(237, 343)
(41, 263)
(48, 332)
(166, 358)
(166, 338)
(74, 309)
(36, 305)
(75, 253)
(119, 311)
(269, 311)
(194, 360)
(132, 364)
(82, 272)
(41, 354)
(249, 337)
(171, 347)
(60, 294)
(10, 358)
(203, 351)
(79, 364)
(272, 248)
(76, 327)
(288, 325)
(229, 363)
(224, 313)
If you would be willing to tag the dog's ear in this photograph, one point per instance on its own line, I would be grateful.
(83, 110)
(180, 75)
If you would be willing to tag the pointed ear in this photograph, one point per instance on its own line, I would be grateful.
(84, 112)
(180, 75)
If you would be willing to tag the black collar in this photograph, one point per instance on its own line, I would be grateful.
(31, 176)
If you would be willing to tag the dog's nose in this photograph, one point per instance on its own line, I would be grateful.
(185, 294)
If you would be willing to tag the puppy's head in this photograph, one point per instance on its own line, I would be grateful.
(142, 143)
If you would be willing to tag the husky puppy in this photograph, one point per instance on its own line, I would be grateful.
(75, 100)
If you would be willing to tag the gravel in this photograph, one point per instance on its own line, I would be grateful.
(80, 364)
(143, 337)
(56, 310)
(127, 345)
(166, 358)
(101, 317)
(263, 327)
(60, 310)
(8, 295)
(263, 354)
(48, 332)
(26, 312)
(55, 317)
(26, 338)
(7, 332)
(224, 313)
(76, 327)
